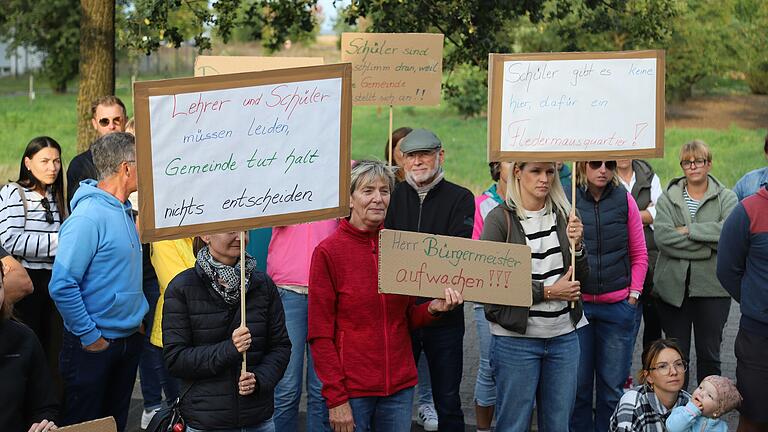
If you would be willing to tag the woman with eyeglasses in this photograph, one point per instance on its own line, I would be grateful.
(646, 407)
(618, 260)
(31, 213)
(689, 218)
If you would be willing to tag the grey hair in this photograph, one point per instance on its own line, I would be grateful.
(368, 171)
(110, 150)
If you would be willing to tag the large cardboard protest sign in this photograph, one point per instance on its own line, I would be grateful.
(216, 65)
(106, 424)
(425, 264)
(239, 151)
(394, 68)
(576, 106)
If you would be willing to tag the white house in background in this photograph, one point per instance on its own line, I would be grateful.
(18, 61)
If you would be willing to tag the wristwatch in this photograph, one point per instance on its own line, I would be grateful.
(634, 294)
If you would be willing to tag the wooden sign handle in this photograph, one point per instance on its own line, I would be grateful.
(573, 211)
(242, 289)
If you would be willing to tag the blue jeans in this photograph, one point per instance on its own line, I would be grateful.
(383, 414)
(485, 387)
(635, 331)
(98, 384)
(606, 349)
(152, 371)
(267, 426)
(532, 369)
(444, 348)
(288, 390)
(424, 388)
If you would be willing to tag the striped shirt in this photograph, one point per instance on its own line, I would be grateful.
(32, 240)
(546, 319)
(693, 205)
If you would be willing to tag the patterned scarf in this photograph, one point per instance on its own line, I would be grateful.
(225, 279)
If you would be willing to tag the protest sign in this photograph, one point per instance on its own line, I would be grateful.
(238, 151)
(394, 68)
(424, 265)
(106, 424)
(216, 65)
(576, 106)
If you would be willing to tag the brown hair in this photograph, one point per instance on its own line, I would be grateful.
(107, 101)
(695, 148)
(581, 175)
(651, 353)
(197, 244)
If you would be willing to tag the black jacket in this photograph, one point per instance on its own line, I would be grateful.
(448, 209)
(198, 349)
(80, 168)
(27, 394)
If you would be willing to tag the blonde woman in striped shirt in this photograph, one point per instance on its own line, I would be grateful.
(31, 212)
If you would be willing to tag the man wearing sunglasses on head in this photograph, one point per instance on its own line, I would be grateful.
(107, 115)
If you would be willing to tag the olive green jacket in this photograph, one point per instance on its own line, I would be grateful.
(695, 251)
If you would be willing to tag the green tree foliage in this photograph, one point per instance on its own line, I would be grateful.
(52, 28)
(150, 23)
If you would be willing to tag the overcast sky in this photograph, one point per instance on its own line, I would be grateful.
(330, 14)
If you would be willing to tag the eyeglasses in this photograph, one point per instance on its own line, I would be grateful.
(104, 122)
(609, 165)
(698, 163)
(666, 368)
(48, 213)
(421, 154)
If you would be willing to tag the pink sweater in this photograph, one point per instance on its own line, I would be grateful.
(638, 258)
(290, 251)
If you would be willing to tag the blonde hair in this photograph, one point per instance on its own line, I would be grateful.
(130, 126)
(556, 201)
(695, 148)
(581, 175)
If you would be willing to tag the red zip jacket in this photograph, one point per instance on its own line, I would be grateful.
(360, 339)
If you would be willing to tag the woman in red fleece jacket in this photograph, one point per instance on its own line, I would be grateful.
(360, 339)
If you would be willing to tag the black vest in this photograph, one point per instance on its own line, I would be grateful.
(606, 238)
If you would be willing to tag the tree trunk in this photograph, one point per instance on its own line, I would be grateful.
(97, 63)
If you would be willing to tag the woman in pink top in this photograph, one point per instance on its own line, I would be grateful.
(288, 259)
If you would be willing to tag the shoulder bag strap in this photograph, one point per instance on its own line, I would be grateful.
(509, 223)
(23, 197)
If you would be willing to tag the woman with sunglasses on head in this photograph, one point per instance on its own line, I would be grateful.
(646, 407)
(534, 350)
(689, 218)
(618, 260)
(31, 212)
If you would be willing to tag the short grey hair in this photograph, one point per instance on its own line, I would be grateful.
(366, 172)
(110, 150)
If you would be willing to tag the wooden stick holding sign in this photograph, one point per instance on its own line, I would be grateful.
(573, 211)
(242, 290)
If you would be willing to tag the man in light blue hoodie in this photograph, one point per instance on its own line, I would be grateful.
(96, 284)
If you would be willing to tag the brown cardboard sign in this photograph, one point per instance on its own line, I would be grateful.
(216, 65)
(394, 68)
(106, 424)
(239, 151)
(424, 265)
(576, 106)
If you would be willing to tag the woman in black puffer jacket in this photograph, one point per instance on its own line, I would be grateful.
(203, 341)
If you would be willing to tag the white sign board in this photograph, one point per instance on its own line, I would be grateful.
(586, 104)
(242, 153)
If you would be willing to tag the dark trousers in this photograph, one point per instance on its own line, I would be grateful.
(444, 348)
(651, 321)
(38, 311)
(707, 316)
(155, 379)
(99, 384)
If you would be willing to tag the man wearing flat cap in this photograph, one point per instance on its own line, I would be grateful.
(426, 202)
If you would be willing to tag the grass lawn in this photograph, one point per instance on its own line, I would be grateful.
(736, 150)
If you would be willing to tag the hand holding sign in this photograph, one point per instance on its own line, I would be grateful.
(564, 288)
(452, 299)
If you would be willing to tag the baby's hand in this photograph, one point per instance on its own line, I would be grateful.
(698, 404)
